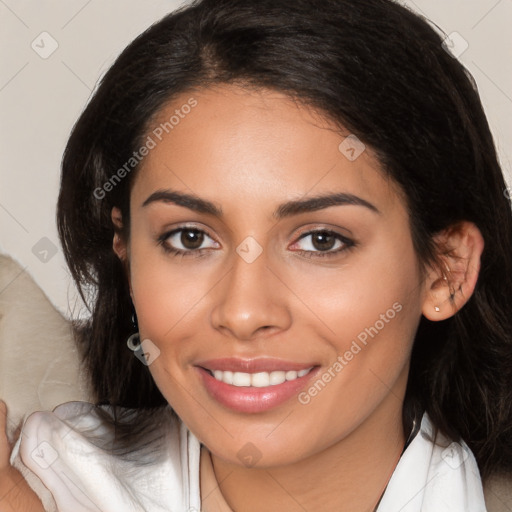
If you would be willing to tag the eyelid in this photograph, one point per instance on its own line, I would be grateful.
(347, 242)
(166, 232)
(315, 227)
(162, 239)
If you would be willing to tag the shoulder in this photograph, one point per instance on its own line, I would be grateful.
(453, 474)
(76, 452)
(434, 474)
(77, 416)
(93, 429)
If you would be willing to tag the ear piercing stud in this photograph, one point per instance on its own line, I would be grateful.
(445, 278)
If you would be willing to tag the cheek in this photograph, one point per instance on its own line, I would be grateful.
(387, 331)
(165, 295)
(376, 288)
(167, 301)
(369, 312)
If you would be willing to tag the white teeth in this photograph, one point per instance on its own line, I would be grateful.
(260, 379)
(277, 378)
(241, 379)
(226, 377)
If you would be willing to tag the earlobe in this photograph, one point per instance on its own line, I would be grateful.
(118, 243)
(450, 285)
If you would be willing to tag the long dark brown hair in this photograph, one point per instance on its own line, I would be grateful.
(381, 72)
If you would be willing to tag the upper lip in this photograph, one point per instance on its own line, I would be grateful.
(234, 364)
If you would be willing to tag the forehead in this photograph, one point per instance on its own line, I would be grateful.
(256, 147)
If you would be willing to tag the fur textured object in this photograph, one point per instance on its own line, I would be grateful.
(39, 363)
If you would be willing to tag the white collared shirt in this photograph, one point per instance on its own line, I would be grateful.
(64, 448)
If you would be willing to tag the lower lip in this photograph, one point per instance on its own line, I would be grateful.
(251, 399)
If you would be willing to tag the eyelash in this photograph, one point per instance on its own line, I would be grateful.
(347, 244)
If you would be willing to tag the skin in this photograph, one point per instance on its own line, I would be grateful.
(248, 151)
(15, 493)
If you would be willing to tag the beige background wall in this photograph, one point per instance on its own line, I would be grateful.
(41, 96)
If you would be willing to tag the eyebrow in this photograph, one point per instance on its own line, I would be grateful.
(295, 207)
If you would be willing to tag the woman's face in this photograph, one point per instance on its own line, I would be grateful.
(295, 253)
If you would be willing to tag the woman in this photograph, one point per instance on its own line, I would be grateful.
(289, 221)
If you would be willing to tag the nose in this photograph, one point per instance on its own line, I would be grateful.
(251, 301)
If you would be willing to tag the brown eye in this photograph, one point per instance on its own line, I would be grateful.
(191, 238)
(323, 240)
(184, 240)
(322, 243)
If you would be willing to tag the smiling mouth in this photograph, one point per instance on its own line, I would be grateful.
(258, 379)
(252, 386)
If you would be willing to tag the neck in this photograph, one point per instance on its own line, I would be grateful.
(350, 475)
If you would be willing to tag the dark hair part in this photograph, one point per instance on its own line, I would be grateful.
(381, 72)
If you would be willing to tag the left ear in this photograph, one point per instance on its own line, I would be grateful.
(449, 286)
